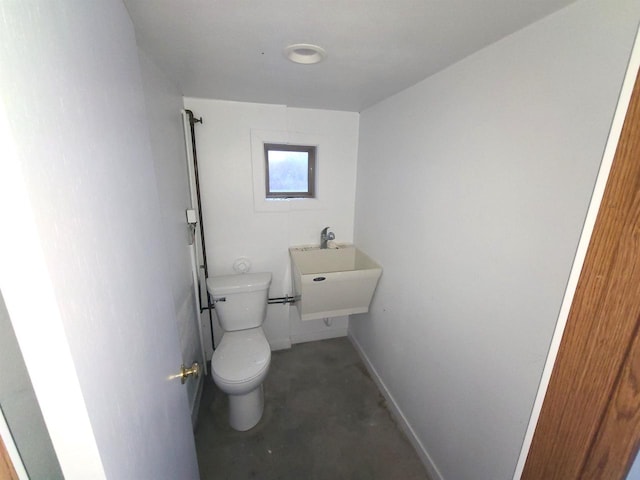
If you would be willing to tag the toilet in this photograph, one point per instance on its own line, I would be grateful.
(241, 361)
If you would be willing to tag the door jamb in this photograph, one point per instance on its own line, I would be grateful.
(12, 449)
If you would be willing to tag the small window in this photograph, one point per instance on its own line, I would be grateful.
(290, 171)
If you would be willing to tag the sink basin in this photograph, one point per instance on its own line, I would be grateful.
(332, 282)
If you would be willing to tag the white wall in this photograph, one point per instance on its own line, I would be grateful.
(472, 189)
(236, 226)
(86, 205)
(164, 104)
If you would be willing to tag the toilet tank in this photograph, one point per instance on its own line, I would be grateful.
(240, 300)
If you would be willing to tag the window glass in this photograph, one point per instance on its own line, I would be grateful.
(289, 171)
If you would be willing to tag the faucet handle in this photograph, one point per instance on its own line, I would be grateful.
(325, 237)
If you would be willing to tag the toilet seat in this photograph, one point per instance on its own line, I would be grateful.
(241, 356)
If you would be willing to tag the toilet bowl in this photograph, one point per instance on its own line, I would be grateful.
(238, 367)
(241, 361)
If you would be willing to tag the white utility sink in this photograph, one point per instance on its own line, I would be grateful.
(332, 282)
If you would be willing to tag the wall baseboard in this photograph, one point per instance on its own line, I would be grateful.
(319, 335)
(282, 344)
(425, 458)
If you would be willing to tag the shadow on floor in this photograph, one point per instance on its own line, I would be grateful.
(324, 419)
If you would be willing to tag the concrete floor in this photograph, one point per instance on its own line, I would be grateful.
(324, 419)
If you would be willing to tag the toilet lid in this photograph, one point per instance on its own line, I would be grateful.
(241, 355)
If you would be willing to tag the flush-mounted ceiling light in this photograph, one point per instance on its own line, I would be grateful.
(305, 53)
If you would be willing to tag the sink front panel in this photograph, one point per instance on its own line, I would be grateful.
(332, 282)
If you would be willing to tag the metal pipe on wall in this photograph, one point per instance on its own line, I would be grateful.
(192, 121)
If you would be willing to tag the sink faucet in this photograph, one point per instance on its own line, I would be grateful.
(325, 236)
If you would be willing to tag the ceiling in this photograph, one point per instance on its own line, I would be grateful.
(233, 49)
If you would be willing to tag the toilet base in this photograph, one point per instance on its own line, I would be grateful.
(245, 411)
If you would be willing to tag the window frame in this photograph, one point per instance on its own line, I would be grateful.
(311, 151)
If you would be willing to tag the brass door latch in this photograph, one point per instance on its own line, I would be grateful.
(186, 372)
